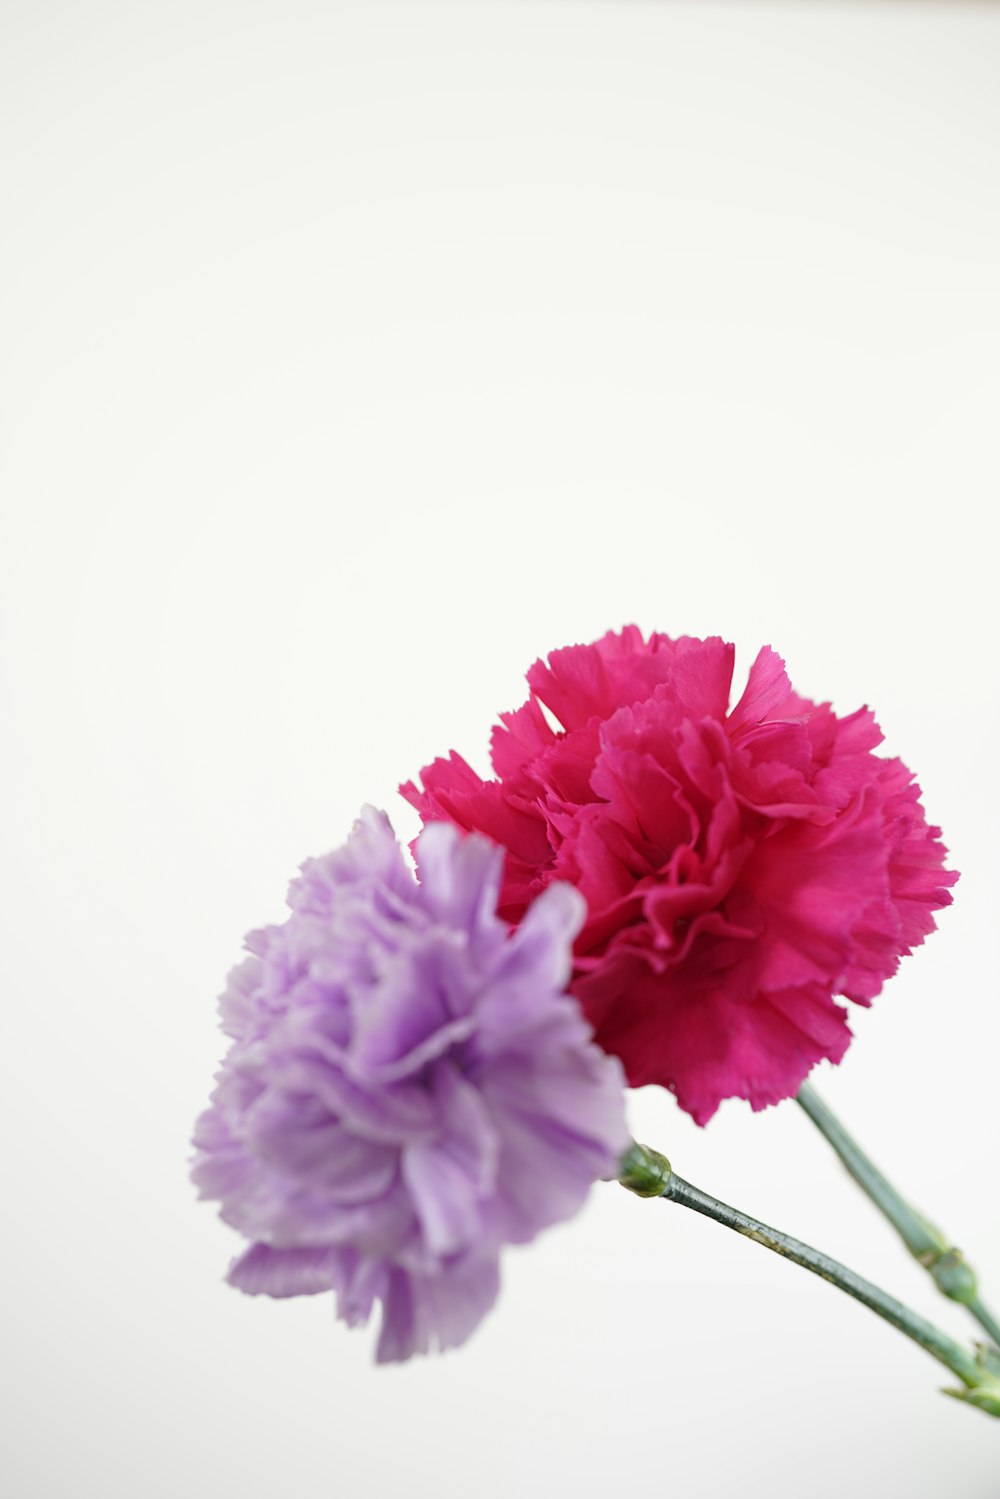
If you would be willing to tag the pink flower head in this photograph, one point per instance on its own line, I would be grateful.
(741, 866)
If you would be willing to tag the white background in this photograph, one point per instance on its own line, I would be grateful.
(355, 354)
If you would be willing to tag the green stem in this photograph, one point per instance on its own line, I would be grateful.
(649, 1174)
(951, 1274)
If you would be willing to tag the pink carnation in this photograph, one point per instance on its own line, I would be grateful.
(741, 867)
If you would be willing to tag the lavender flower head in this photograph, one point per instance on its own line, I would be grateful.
(408, 1087)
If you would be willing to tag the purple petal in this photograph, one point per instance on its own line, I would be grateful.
(450, 1179)
(262, 1271)
(297, 1136)
(459, 878)
(399, 1335)
(454, 1303)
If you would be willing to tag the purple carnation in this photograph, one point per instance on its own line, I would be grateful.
(408, 1088)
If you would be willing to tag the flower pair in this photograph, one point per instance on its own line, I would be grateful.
(409, 1085)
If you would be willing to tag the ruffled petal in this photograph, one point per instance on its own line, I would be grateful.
(453, 1305)
(767, 689)
(815, 885)
(263, 1271)
(707, 1041)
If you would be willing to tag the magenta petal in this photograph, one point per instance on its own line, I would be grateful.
(729, 1040)
(701, 677)
(767, 687)
(814, 885)
(524, 735)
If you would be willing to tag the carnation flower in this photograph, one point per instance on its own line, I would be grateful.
(741, 867)
(408, 1087)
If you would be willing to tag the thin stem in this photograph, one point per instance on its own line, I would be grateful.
(986, 1319)
(649, 1174)
(946, 1265)
(938, 1344)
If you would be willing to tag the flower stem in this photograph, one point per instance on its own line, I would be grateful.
(951, 1274)
(649, 1174)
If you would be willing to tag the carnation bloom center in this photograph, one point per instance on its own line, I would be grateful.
(742, 866)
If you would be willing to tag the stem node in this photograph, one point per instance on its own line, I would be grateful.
(944, 1263)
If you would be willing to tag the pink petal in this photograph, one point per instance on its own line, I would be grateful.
(767, 687)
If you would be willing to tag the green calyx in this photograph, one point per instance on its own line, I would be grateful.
(953, 1277)
(644, 1171)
